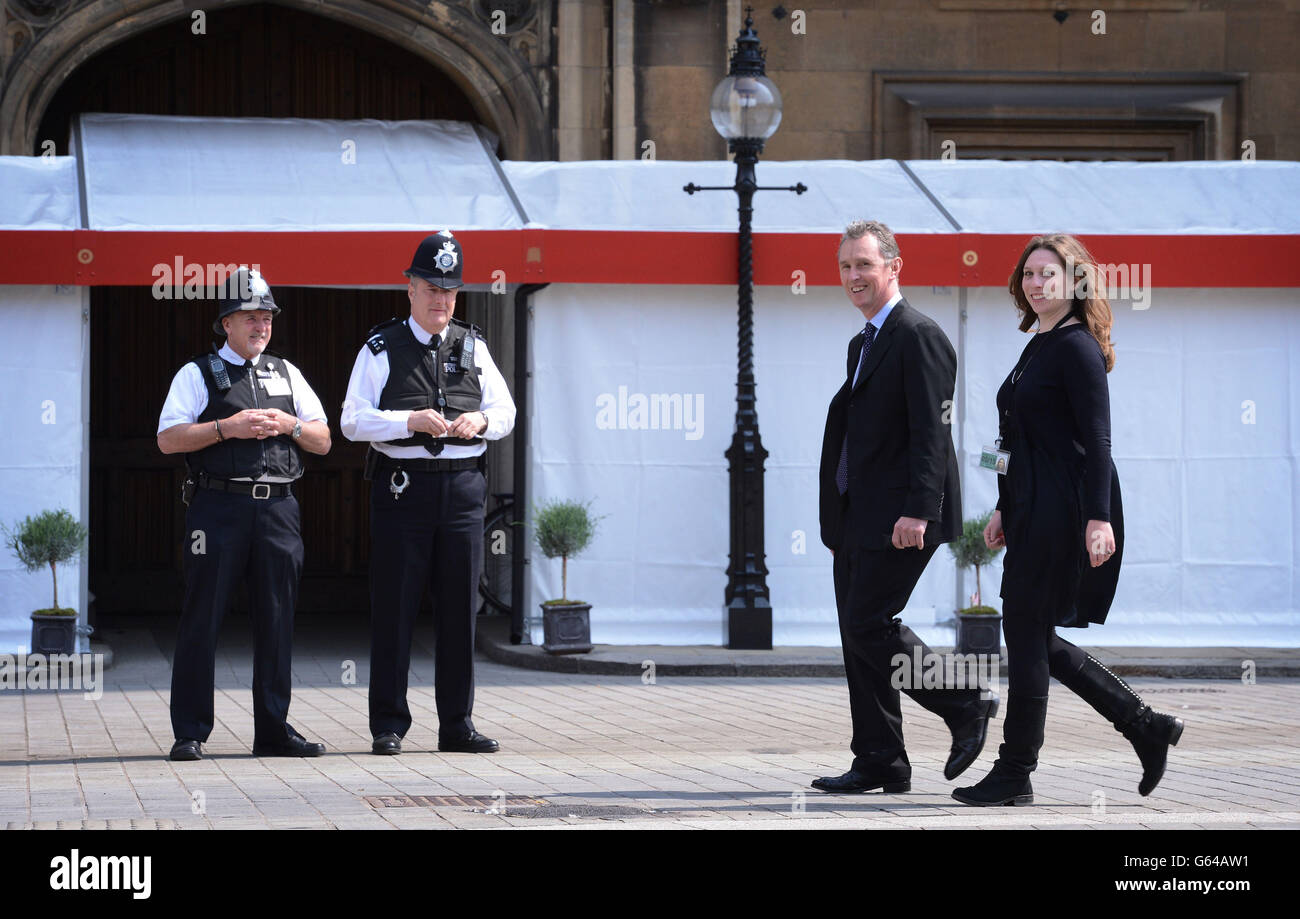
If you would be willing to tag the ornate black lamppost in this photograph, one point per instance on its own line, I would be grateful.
(746, 110)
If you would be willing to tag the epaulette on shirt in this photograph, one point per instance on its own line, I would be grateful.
(375, 337)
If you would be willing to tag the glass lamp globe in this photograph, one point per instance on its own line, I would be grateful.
(746, 106)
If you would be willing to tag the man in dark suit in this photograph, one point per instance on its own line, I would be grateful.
(889, 497)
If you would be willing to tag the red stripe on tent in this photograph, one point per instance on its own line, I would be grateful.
(97, 257)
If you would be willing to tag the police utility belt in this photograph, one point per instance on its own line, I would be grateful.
(380, 464)
(259, 490)
(398, 471)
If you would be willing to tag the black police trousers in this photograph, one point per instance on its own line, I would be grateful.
(231, 540)
(431, 538)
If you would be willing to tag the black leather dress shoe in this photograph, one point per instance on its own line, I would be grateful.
(294, 745)
(474, 743)
(186, 750)
(968, 737)
(386, 745)
(854, 782)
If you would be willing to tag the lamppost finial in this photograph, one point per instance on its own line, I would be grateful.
(747, 56)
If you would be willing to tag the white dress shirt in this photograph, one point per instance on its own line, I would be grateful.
(878, 321)
(362, 419)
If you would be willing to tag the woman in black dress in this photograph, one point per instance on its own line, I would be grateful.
(1060, 518)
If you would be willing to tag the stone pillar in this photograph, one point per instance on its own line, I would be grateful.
(582, 72)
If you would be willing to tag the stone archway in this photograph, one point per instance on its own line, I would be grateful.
(505, 76)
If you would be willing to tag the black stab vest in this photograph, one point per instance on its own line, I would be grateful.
(234, 457)
(417, 380)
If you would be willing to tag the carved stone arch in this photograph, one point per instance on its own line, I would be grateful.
(499, 80)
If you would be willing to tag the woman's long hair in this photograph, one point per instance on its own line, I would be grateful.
(1088, 289)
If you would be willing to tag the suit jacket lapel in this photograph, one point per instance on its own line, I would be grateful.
(884, 338)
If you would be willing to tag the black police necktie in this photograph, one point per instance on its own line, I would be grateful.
(842, 471)
(434, 447)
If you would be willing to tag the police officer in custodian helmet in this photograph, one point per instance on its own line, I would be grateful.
(426, 394)
(240, 414)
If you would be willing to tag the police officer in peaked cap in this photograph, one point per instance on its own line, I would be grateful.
(241, 415)
(427, 396)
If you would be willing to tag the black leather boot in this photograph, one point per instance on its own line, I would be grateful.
(1008, 782)
(1150, 732)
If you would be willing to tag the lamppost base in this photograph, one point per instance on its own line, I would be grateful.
(749, 628)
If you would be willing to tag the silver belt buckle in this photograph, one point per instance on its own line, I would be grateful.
(265, 494)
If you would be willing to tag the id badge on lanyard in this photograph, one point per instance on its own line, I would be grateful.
(995, 458)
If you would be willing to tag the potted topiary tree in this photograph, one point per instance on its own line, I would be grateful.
(979, 627)
(47, 539)
(562, 529)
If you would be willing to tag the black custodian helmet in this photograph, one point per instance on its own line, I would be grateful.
(438, 260)
(243, 290)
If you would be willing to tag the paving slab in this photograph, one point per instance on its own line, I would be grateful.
(588, 750)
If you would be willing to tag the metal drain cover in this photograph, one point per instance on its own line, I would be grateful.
(556, 811)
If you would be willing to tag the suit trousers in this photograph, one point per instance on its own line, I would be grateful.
(872, 587)
(232, 540)
(429, 539)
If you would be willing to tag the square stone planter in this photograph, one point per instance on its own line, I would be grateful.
(54, 634)
(566, 628)
(979, 634)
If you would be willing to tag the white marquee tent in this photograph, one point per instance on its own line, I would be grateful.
(640, 307)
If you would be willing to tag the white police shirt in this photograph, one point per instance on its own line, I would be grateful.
(362, 419)
(188, 395)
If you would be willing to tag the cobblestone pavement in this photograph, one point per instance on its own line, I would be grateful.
(583, 751)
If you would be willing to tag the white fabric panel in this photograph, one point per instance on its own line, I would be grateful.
(1210, 501)
(172, 173)
(986, 196)
(38, 193)
(656, 572)
(42, 359)
(647, 195)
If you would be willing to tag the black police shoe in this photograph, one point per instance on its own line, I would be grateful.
(474, 742)
(186, 750)
(386, 745)
(294, 745)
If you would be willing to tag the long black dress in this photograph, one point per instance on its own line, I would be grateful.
(1054, 418)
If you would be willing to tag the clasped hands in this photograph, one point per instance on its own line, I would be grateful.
(258, 423)
(465, 427)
